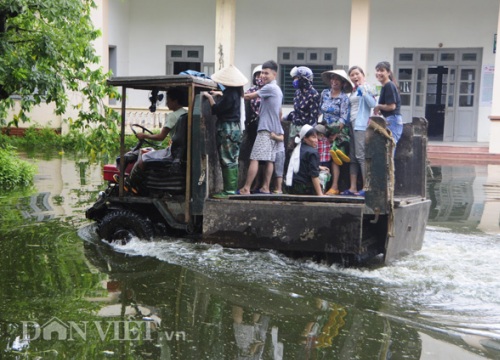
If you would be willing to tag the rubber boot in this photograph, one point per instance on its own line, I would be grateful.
(341, 154)
(335, 157)
(338, 155)
(230, 178)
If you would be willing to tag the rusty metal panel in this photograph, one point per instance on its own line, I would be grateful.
(209, 131)
(410, 221)
(411, 159)
(286, 226)
(376, 162)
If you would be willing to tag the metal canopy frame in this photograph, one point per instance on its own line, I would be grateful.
(160, 83)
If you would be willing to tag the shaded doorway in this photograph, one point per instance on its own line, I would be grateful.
(435, 104)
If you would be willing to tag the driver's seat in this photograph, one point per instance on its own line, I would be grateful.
(168, 174)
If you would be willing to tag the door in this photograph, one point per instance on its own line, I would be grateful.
(465, 124)
(435, 104)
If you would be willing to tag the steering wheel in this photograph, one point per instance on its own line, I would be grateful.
(141, 141)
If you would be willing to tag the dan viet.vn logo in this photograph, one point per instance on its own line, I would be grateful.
(56, 329)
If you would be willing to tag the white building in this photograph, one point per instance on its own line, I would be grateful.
(442, 51)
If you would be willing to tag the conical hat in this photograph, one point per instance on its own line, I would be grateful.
(229, 76)
(327, 75)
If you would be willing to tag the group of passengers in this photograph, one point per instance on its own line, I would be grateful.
(326, 130)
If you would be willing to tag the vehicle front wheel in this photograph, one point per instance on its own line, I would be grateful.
(122, 225)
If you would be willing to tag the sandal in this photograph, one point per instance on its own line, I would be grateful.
(348, 192)
(332, 192)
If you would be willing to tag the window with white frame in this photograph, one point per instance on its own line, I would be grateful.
(317, 59)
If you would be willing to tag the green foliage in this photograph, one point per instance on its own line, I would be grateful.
(46, 50)
(14, 172)
(46, 140)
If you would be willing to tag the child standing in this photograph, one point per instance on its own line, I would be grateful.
(325, 159)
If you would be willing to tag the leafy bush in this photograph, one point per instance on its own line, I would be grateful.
(14, 172)
(46, 140)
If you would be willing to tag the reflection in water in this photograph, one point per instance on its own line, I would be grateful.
(466, 197)
(273, 315)
(196, 301)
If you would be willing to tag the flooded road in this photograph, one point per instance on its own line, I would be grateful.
(65, 294)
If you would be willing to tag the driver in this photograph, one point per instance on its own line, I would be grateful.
(175, 97)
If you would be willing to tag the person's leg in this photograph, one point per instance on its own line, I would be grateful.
(279, 165)
(251, 173)
(354, 165)
(336, 175)
(394, 123)
(359, 139)
(262, 151)
(334, 189)
(228, 141)
(353, 178)
(268, 173)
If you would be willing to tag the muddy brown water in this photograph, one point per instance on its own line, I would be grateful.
(66, 294)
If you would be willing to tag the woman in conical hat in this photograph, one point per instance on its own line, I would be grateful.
(228, 111)
(335, 109)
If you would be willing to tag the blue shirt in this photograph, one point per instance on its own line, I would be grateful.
(362, 102)
(334, 109)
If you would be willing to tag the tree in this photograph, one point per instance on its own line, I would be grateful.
(46, 51)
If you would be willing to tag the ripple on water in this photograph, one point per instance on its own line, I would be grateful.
(452, 281)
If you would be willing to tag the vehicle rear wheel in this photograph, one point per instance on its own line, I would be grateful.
(122, 225)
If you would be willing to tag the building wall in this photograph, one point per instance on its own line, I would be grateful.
(118, 33)
(141, 30)
(426, 24)
(263, 26)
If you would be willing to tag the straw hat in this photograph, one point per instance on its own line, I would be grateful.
(230, 76)
(327, 75)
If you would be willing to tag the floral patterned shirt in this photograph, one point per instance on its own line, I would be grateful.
(334, 109)
(305, 107)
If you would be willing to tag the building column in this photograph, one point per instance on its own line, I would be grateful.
(360, 27)
(495, 105)
(225, 19)
(100, 18)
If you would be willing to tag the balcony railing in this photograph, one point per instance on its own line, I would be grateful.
(144, 117)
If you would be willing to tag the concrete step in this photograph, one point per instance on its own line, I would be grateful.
(457, 149)
(456, 153)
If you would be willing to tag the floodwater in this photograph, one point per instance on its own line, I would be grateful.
(65, 294)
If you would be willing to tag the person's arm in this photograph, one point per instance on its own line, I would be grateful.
(251, 95)
(383, 107)
(344, 112)
(209, 97)
(369, 96)
(277, 137)
(155, 137)
(317, 186)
